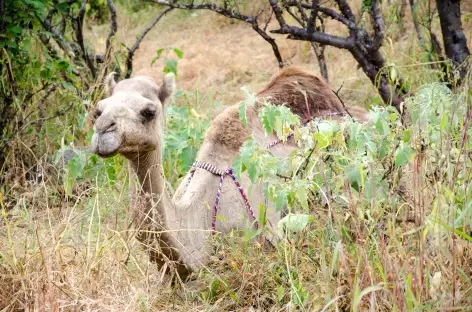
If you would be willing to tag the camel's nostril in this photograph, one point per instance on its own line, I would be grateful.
(111, 127)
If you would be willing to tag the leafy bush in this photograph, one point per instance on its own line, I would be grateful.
(365, 176)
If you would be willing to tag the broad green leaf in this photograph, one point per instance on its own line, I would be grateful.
(356, 177)
(302, 196)
(403, 155)
(17, 30)
(322, 140)
(252, 171)
(293, 223)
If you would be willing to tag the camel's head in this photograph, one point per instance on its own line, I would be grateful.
(130, 120)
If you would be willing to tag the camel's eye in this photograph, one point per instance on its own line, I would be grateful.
(97, 113)
(149, 113)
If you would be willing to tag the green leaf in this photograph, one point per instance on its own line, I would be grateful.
(170, 66)
(280, 293)
(322, 140)
(302, 196)
(11, 44)
(62, 65)
(356, 177)
(242, 112)
(159, 53)
(252, 171)
(384, 148)
(62, 7)
(250, 97)
(403, 155)
(280, 200)
(293, 223)
(17, 30)
(179, 53)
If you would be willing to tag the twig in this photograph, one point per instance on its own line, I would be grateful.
(328, 12)
(132, 50)
(340, 100)
(230, 14)
(50, 90)
(113, 27)
(79, 21)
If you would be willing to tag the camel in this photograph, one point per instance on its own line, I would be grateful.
(130, 122)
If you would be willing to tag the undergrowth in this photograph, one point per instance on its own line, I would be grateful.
(388, 227)
(379, 214)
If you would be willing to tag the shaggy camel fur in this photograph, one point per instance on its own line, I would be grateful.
(130, 122)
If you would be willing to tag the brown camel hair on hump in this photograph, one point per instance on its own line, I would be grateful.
(305, 94)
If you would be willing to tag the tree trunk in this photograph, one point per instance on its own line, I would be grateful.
(455, 42)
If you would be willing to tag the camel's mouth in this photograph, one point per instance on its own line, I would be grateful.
(106, 154)
(106, 144)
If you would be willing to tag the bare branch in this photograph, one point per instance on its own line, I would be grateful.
(209, 6)
(78, 23)
(328, 12)
(113, 26)
(59, 38)
(314, 12)
(278, 13)
(377, 19)
(230, 14)
(298, 33)
(132, 50)
(346, 10)
(270, 40)
(300, 21)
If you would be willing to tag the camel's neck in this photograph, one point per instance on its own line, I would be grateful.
(148, 169)
(154, 210)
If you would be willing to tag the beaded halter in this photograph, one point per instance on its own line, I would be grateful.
(230, 172)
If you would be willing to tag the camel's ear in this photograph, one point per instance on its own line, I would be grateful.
(167, 88)
(110, 83)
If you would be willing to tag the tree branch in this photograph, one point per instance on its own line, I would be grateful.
(298, 33)
(78, 22)
(113, 26)
(278, 13)
(209, 6)
(310, 24)
(230, 14)
(132, 50)
(270, 40)
(346, 10)
(328, 12)
(377, 19)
